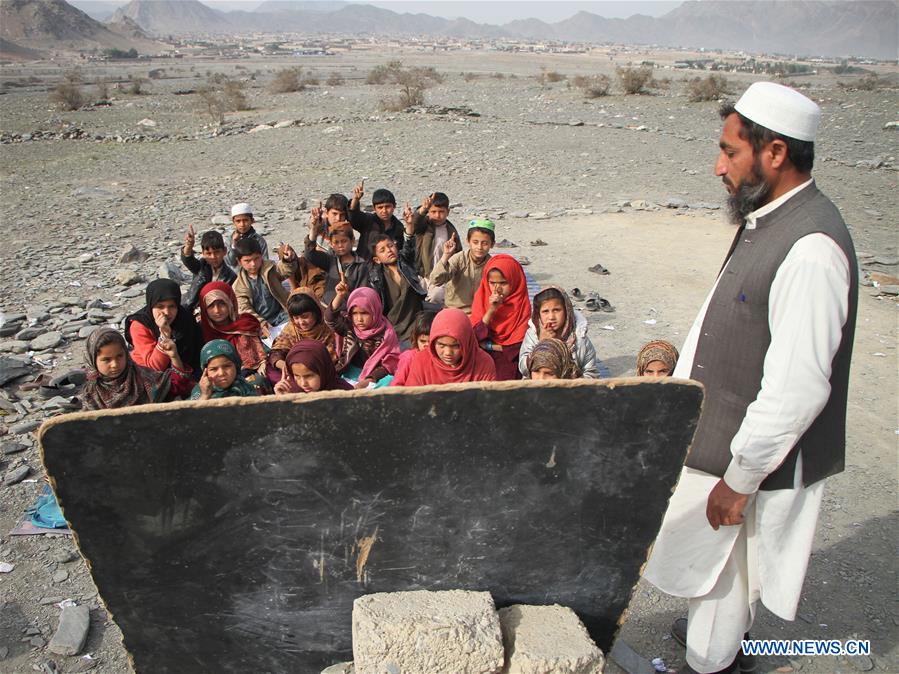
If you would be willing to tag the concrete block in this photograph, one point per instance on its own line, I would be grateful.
(74, 623)
(450, 632)
(540, 639)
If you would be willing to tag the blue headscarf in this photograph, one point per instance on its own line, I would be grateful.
(239, 387)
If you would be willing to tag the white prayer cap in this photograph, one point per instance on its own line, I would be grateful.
(241, 209)
(780, 109)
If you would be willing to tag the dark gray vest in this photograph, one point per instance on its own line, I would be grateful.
(735, 338)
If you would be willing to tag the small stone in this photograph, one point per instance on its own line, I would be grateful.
(46, 601)
(46, 341)
(14, 346)
(24, 427)
(505, 243)
(64, 556)
(16, 475)
(6, 567)
(71, 635)
(675, 202)
(540, 215)
(37, 642)
(862, 663)
(87, 331)
(285, 123)
(4, 651)
(132, 254)
(521, 215)
(127, 277)
(541, 639)
(9, 448)
(173, 271)
(60, 576)
(579, 211)
(575, 122)
(29, 333)
(261, 127)
(224, 220)
(85, 257)
(340, 668)
(149, 123)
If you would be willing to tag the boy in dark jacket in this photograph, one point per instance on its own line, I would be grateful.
(211, 268)
(242, 218)
(370, 225)
(340, 260)
(394, 278)
(432, 230)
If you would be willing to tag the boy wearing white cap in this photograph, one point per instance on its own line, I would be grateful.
(740, 525)
(242, 218)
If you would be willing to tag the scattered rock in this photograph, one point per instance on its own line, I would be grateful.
(521, 215)
(16, 475)
(132, 254)
(71, 635)
(542, 639)
(14, 447)
(891, 125)
(579, 211)
(340, 668)
(60, 576)
(223, 220)
(64, 556)
(285, 123)
(127, 277)
(46, 341)
(862, 663)
(87, 331)
(27, 334)
(675, 202)
(505, 243)
(451, 631)
(174, 271)
(261, 127)
(149, 123)
(539, 242)
(12, 368)
(24, 427)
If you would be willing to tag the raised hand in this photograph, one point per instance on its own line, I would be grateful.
(205, 386)
(189, 239)
(407, 215)
(359, 190)
(286, 252)
(282, 387)
(427, 202)
(449, 246)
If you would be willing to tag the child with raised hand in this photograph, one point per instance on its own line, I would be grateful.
(339, 260)
(114, 380)
(394, 278)
(500, 313)
(368, 340)
(306, 324)
(452, 356)
(164, 327)
(259, 286)
(371, 225)
(460, 272)
(210, 268)
(432, 230)
(221, 373)
(554, 317)
(334, 210)
(551, 359)
(242, 218)
(309, 368)
(300, 272)
(421, 332)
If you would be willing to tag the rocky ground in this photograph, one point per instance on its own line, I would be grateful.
(96, 204)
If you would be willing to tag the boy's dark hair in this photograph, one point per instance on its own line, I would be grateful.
(247, 246)
(375, 240)
(338, 202)
(440, 200)
(482, 230)
(800, 152)
(346, 231)
(212, 239)
(300, 303)
(382, 196)
(422, 325)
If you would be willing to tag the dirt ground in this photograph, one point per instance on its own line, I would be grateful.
(67, 199)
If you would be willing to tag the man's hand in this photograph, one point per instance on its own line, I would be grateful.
(725, 506)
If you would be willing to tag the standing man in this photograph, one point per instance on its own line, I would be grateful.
(772, 345)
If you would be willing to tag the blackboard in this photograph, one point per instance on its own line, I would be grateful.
(234, 535)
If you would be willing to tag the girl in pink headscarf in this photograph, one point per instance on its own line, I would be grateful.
(368, 340)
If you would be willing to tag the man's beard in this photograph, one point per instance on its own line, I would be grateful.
(749, 196)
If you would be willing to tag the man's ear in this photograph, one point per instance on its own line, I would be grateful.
(777, 151)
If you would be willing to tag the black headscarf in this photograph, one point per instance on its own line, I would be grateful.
(185, 330)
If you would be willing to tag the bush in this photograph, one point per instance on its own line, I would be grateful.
(102, 89)
(383, 73)
(549, 77)
(136, 86)
(498, 76)
(870, 82)
(221, 95)
(334, 80)
(67, 96)
(234, 97)
(310, 80)
(711, 88)
(470, 77)
(412, 83)
(288, 81)
(156, 74)
(593, 87)
(634, 80)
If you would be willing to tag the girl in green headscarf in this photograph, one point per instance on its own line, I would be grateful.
(220, 366)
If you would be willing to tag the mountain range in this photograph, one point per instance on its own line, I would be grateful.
(806, 27)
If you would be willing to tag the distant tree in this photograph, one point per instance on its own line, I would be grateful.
(119, 54)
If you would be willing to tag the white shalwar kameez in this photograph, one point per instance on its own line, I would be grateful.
(725, 572)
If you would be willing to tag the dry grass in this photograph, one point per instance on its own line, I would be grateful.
(711, 88)
(635, 80)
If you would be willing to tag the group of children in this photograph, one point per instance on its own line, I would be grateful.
(372, 301)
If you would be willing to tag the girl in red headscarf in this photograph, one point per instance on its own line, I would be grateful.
(500, 313)
(219, 320)
(452, 355)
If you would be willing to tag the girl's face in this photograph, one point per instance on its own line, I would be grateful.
(552, 314)
(218, 312)
(543, 373)
(497, 282)
(449, 351)
(111, 360)
(306, 379)
(221, 371)
(167, 309)
(422, 342)
(362, 320)
(305, 321)
(656, 368)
